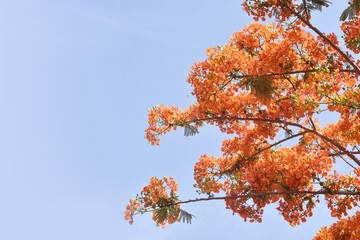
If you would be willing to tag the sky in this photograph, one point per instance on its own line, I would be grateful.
(77, 78)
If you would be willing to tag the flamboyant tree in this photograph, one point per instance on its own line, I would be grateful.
(266, 88)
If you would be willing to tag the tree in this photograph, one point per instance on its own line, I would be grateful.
(267, 87)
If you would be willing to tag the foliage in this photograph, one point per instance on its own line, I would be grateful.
(264, 88)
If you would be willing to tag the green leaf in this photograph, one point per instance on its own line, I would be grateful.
(348, 13)
(173, 211)
(161, 215)
(318, 4)
(288, 133)
(190, 130)
(261, 86)
(185, 216)
(315, 5)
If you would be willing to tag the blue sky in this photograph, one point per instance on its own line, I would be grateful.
(76, 80)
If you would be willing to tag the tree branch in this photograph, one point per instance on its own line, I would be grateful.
(342, 153)
(336, 144)
(326, 138)
(339, 155)
(312, 123)
(356, 68)
(233, 76)
(238, 163)
(251, 195)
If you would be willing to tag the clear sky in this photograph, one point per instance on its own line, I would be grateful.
(76, 80)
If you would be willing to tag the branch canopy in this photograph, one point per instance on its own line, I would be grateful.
(265, 89)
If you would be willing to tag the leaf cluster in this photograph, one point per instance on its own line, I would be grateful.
(351, 11)
(314, 5)
(189, 130)
(163, 214)
(261, 86)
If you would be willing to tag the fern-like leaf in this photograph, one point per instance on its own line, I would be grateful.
(318, 4)
(190, 130)
(185, 216)
(315, 5)
(348, 13)
(261, 86)
(161, 215)
(351, 11)
(288, 133)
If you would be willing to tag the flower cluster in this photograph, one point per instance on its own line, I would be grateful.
(131, 209)
(348, 228)
(259, 9)
(156, 199)
(339, 205)
(351, 31)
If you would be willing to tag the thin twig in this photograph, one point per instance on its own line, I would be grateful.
(306, 10)
(312, 123)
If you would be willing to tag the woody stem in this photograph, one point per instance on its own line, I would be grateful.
(356, 68)
(251, 195)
